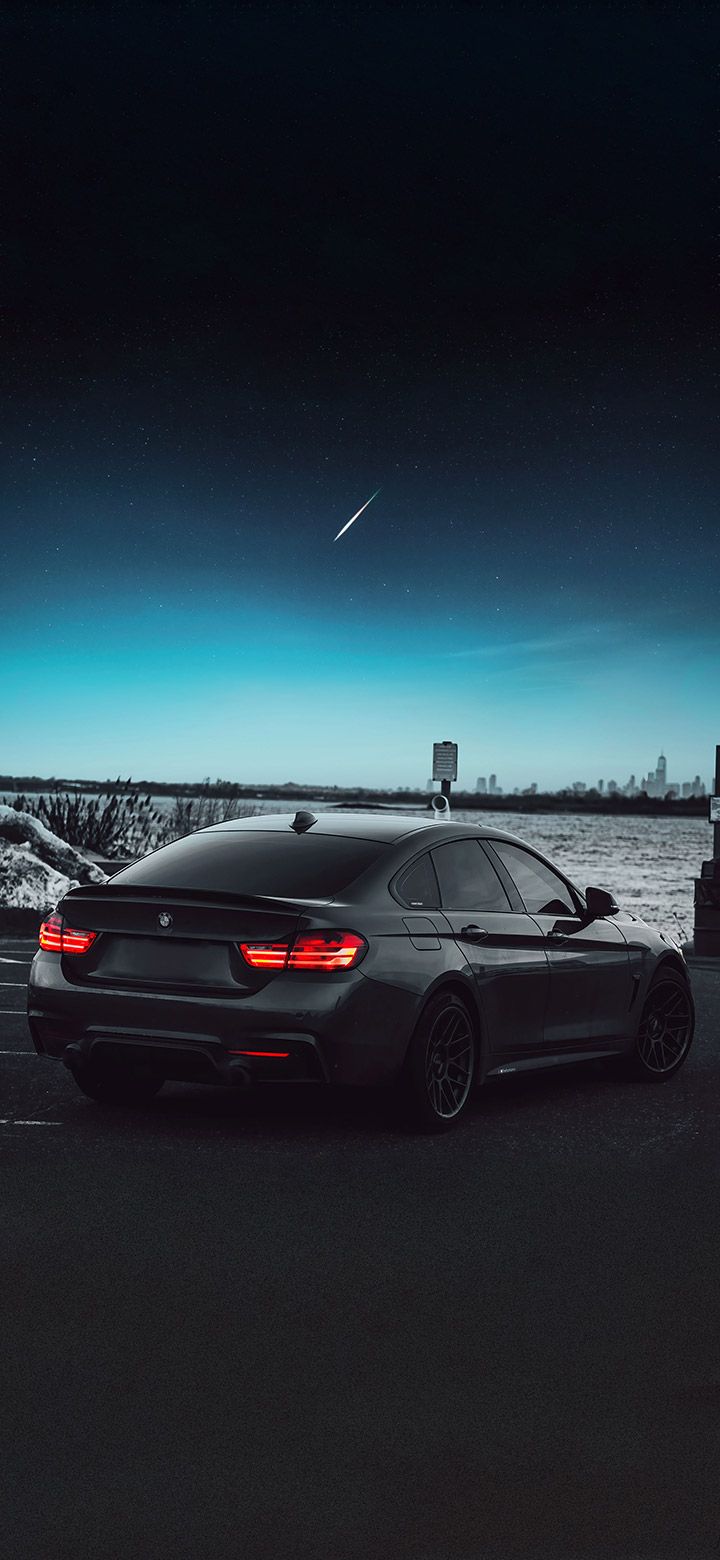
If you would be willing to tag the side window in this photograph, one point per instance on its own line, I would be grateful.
(467, 879)
(540, 889)
(417, 885)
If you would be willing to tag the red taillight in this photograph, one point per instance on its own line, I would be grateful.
(265, 956)
(326, 951)
(51, 934)
(56, 937)
(310, 951)
(74, 941)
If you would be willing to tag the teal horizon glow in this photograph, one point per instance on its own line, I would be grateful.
(324, 672)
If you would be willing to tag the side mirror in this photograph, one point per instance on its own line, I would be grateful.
(600, 903)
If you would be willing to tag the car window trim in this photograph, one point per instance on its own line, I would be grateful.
(458, 909)
(579, 906)
(516, 905)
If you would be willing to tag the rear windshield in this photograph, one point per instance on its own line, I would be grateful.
(290, 866)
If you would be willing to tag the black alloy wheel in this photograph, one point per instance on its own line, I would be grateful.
(666, 1027)
(118, 1085)
(437, 1076)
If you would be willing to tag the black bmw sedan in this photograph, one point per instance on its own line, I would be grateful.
(350, 949)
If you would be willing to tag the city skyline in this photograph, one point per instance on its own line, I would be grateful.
(655, 783)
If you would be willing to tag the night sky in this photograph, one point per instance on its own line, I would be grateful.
(261, 260)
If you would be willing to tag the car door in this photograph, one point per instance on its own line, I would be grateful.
(590, 976)
(504, 948)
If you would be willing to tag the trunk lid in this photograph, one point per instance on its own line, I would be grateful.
(198, 952)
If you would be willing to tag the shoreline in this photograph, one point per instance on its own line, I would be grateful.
(465, 801)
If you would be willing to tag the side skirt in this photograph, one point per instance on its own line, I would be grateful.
(537, 1063)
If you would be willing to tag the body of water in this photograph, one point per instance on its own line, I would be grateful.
(647, 862)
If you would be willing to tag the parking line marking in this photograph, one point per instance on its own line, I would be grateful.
(17, 983)
(14, 1012)
(18, 1053)
(10, 1121)
(3, 960)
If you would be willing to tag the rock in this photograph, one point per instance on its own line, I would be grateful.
(28, 883)
(28, 834)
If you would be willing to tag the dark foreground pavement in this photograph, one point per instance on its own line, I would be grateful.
(274, 1327)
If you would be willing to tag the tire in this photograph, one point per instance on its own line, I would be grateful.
(118, 1086)
(433, 1089)
(666, 1028)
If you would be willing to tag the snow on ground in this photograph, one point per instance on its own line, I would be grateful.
(27, 883)
(36, 867)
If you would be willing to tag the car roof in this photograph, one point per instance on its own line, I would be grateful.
(390, 828)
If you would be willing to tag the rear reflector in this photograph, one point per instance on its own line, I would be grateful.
(310, 951)
(56, 937)
(259, 1053)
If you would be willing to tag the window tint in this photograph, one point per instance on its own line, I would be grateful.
(417, 885)
(540, 888)
(289, 865)
(467, 879)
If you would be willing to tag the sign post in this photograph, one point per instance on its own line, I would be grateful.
(445, 764)
(707, 886)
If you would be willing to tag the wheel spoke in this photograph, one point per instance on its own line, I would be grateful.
(459, 1069)
(672, 1004)
(460, 1047)
(455, 1029)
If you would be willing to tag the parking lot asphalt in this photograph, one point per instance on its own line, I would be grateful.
(274, 1326)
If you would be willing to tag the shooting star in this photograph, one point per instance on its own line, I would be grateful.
(356, 516)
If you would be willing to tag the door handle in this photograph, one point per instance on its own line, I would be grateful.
(557, 937)
(474, 934)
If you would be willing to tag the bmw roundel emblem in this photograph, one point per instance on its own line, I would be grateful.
(165, 920)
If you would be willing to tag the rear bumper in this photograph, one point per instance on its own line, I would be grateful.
(345, 1030)
(195, 1058)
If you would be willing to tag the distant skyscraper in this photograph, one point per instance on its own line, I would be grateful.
(657, 783)
(600, 785)
(481, 787)
(492, 788)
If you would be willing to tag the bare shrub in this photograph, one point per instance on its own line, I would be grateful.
(117, 823)
(189, 813)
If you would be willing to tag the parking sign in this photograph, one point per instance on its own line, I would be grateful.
(444, 760)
